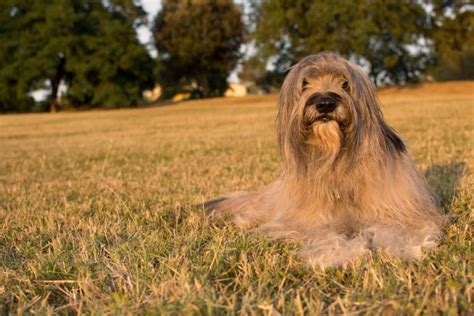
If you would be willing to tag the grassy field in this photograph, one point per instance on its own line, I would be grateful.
(99, 213)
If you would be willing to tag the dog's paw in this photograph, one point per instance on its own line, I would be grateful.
(335, 251)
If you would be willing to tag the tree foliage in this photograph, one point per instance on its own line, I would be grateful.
(452, 32)
(198, 43)
(88, 46)
(393, 39)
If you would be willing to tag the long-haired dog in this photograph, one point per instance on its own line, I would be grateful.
(348, 185)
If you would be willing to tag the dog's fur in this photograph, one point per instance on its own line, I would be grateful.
(348, 185)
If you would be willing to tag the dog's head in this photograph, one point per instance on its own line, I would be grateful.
(328, 106)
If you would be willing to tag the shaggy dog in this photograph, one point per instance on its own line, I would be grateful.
(348, 185)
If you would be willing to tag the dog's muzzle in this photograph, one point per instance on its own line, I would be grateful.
(326, 102)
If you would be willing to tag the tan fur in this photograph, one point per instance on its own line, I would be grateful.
(347, 186)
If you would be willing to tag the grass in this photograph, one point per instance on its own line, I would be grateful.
(99, 213)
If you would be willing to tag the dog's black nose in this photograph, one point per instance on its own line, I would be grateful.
(326, 104)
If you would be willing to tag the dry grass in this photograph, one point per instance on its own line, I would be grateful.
(99, 213)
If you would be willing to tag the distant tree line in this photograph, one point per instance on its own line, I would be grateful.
(396, 41)
(85, 53)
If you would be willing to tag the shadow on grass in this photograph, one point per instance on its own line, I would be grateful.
(444, 180)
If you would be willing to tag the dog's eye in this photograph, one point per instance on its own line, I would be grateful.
(305, 83)
(345, 85)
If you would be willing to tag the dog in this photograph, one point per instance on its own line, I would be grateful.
(348, 185)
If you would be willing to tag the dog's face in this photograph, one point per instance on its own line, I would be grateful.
(319, 107)
(325, 98)
(327, 109)
(326, 105)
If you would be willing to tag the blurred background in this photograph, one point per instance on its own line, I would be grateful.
(80, 54)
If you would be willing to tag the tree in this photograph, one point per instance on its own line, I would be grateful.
(198, 43)
(380, 34)
(393, 45)
(85, 45)
(118, 67)
(452, 32)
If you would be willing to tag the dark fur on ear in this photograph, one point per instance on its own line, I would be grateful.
(394, 142)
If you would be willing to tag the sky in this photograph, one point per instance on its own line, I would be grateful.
(144, 34)
(151, 6)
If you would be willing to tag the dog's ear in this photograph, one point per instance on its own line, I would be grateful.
(365, 91)
(393, 140)
(287, 104)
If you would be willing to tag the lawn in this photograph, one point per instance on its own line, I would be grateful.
(100, 213)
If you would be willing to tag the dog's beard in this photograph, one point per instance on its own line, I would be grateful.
(325, 136)
(324, 133)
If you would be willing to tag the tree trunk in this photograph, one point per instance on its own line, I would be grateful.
(55, 82)
(204, 86)
(53, 107)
